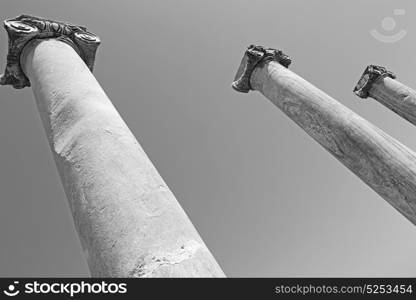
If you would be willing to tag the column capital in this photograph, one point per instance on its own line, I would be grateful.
(24, 28)
(254, 56)
(371, 74)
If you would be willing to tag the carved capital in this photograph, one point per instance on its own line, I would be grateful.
(23, 29)
(371, 74)
(253, 57)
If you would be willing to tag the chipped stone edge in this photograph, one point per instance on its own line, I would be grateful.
(24, 28)
(149, 264)
(254, 56)
(371, 74)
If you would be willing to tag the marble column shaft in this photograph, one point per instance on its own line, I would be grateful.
(381, 85)
(128, 221)
(383, 163)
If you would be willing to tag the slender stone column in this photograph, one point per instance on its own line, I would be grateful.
(380, 84)
(128, 221)
(382, 162)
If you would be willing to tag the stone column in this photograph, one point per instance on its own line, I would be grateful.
(383, 163)
(380, 84)
(128, 221)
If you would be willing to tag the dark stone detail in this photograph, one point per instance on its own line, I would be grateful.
(254, 56)
(23, 29)
(371, 74)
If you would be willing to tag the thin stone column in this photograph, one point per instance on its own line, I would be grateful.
(128, 221)
(383, 163)
(380, 84)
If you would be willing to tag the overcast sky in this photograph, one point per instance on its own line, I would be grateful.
(265, 197)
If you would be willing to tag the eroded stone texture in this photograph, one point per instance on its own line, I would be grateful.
(371, 75)
(252, 57)
(24, 28)
(382, 162)
(396, 96)
(128, 221)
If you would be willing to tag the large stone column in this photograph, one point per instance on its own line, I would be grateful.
(128, 221)
(380, 84)
(383, 163)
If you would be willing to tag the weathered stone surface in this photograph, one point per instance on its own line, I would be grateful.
(252, 57)
(372, 74)
(396, 96)
(128, 221)
(382, 162)
(23, 29)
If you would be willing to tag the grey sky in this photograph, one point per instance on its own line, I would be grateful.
(265, 197)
